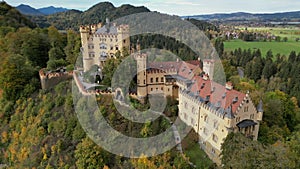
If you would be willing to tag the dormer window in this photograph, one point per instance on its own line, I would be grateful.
(202, 86)
(224, 95)
(213, 89)
(207, 98)
(235, 100)
(218, 104)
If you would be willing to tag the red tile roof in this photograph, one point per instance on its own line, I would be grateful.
(217, 93)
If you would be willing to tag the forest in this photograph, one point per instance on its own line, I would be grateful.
(39, 128)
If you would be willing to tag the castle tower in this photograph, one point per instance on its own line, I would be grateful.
(141, 60)
(208, 67)
(123, 37)
(87, 60)
(260, 110)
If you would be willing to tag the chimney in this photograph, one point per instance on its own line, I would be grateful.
(229, 86)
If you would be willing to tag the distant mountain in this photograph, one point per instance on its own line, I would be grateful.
(52, 10)
(11, 17)
(242, 16)
(97, 13)
(28, 10)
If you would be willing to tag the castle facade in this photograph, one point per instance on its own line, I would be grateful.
(211, 109)
(101, 42)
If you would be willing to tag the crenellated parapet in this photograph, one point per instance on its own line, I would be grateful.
(51, 78)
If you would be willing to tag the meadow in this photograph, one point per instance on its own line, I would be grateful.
(291, 32)
(284, 48)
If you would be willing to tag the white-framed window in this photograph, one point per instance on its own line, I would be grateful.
(103, 46)
(215, 138)
(192, 121)
(205, 131)
(213, 151)
(193, 110)
(206, 118)
(216, 125)
(246, 109)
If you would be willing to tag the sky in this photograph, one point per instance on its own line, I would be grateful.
(178, 7)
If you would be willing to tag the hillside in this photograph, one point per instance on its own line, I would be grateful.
(11, 17)
(28, 10)
(97, 13)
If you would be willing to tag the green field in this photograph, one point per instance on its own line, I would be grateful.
(290, 32)
(284, 48)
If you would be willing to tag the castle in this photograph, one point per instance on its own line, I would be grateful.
(100, 42)
(211, 109)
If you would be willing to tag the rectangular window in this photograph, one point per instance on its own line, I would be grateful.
(216, 125)
(213, 151)
(162, 79)
(157, 79)
(205, 131)
(151, 80)
(206, 118)
(215, 138)
(246, 109)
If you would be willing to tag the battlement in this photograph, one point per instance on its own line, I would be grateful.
(123, 28)
(90, 28)
(50, 79)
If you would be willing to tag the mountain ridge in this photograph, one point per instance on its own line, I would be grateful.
(29, 10)
(51, 10)
(72, 19)
(276, 16)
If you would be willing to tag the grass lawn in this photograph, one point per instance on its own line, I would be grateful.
(198, 157)
(283, 48)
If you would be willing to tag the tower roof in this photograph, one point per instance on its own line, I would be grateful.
(260, 106)
(107, 30)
